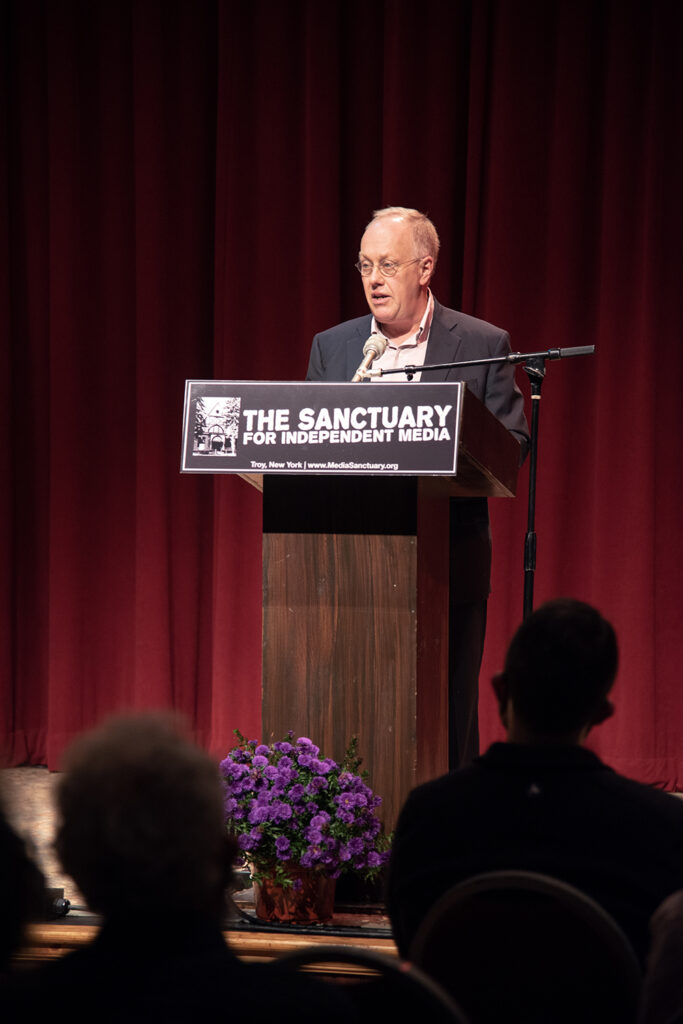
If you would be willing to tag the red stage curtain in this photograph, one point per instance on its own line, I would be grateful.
(183, 190)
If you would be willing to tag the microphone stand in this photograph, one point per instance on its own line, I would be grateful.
(534, 367)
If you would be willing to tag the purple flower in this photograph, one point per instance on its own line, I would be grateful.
(311, 856)
(262, 750)
(235, 755)
(345, 800)
(305, 744)
(280, 811)
(260, 761)
(283, 747)
(282, 847)
(249, 840)
(258, 814)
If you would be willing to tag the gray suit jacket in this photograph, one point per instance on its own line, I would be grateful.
(337, 353)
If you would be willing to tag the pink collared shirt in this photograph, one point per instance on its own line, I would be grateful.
(410, 352)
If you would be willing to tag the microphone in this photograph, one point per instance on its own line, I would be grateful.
(373, 347)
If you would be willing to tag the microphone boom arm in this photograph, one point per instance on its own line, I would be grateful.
(511, 357)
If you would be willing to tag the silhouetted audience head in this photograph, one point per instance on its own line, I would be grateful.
(22, 893)
(141, 825)
(559, 668)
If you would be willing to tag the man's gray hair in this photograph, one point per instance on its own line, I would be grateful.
(425, 237)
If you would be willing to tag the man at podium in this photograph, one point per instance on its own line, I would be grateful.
(397, 259)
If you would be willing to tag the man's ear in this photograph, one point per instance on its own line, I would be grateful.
(427, 269)
(603, 712)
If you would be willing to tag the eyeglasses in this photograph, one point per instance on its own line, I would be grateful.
(387, 268)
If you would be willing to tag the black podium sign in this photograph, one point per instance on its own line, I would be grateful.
(285, 428)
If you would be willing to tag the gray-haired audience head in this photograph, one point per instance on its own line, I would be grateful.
(142, 819)
(559, 669)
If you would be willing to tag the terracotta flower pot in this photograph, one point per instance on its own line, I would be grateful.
(310, 898)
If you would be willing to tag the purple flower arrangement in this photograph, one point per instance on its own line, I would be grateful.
(288, 805)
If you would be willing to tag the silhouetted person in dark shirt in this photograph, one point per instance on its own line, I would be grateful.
(541, 801)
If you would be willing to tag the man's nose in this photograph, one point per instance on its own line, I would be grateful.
(376, 276)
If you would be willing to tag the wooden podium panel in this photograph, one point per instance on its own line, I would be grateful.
(337, 642)
(355, 624)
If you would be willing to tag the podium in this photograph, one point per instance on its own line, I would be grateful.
(356, 581)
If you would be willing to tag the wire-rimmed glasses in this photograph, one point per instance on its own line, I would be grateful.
(387, 268)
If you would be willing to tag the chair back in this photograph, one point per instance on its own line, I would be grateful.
(516, 945)
(381, 987)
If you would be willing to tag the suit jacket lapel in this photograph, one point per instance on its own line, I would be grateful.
(443, 343)
(354, 347)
